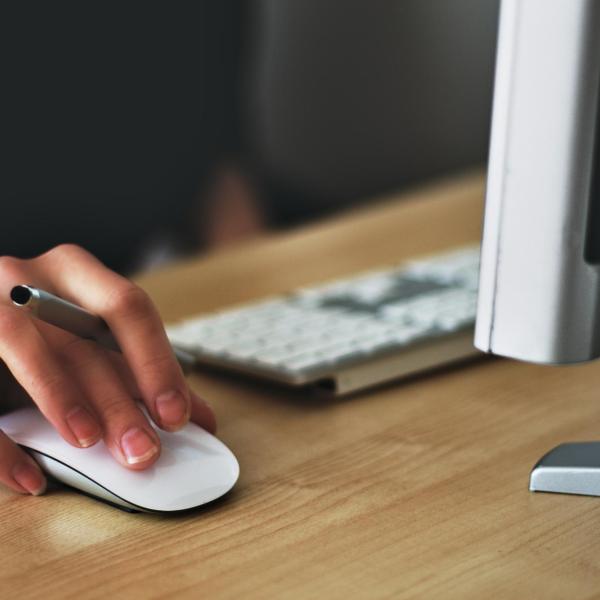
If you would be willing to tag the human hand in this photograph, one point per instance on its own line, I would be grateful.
(89, 393)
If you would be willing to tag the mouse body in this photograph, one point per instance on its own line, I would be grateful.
(194, 466)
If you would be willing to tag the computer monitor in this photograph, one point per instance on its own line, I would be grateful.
(539, 295)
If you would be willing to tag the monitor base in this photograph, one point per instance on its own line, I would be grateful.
(572, 468)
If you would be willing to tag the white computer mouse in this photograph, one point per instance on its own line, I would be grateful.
(194, 466)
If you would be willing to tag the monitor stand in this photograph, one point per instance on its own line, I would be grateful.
(569, 469)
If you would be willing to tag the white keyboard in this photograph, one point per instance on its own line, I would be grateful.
(348, 334)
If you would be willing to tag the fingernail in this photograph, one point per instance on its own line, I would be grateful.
(84, 427)
(172, 409)
(30, 477)
(137, 446)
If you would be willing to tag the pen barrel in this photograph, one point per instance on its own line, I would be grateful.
(70, 317)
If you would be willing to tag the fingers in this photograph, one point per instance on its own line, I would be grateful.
(201, 412)
(135, 323)
(34, 365)
(18, 470)
(86, 392)
(127, 433)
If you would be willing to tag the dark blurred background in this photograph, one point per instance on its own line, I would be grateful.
(143, 132)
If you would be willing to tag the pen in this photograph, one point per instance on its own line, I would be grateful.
(72, 318)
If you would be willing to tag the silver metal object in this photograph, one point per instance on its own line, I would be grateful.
(76, 320)
(569, 469)
(539, 296)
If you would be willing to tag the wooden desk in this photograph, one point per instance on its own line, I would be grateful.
(416, 490)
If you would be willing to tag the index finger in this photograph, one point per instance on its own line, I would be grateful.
(135, 323)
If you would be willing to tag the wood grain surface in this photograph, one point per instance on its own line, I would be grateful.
(415, 490)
